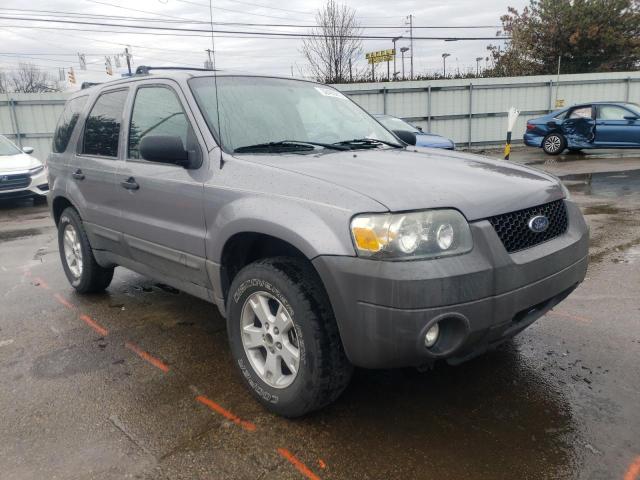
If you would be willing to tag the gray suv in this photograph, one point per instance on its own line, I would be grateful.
(324, 240)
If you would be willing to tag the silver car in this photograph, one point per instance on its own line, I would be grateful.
(324, 240)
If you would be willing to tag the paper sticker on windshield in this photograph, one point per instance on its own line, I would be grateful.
(327, 92)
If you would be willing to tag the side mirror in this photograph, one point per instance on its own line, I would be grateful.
(27, 150)
(631, 118)
(420, 128)
(406, 136)
(164, 149)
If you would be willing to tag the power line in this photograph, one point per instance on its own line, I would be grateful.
(240, 32)
(174, 19)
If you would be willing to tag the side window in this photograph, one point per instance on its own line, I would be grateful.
(582, 112)
(102, 129)
(156, 111)
(67, 123)
(612, 112)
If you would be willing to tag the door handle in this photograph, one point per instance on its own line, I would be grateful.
(78, 175)
(130, 184)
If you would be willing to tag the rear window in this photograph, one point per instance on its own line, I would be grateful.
(102, 129)
(67, 123)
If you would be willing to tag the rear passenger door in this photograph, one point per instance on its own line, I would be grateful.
(92, 185)
(162, 214)
(578, 126)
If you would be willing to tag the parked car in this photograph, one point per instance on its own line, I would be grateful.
(21, 175)
(322, 239)
(586, 126)
(414, 135)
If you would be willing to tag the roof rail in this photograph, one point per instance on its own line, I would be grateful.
(89, 85)
(145, 69)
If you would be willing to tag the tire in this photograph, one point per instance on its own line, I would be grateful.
(323, 371)
(86, 276)
(554, 144)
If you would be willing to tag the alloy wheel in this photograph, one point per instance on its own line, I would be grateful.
(72, 250)
(270, 340)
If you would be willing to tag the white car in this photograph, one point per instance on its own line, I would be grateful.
(21, 175)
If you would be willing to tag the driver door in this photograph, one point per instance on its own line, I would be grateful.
(579, 127)
(162, 204)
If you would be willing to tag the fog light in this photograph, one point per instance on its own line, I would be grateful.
(431, 336)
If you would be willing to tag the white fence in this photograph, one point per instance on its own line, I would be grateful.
(474, 111)
(471, 112)
(29, 119)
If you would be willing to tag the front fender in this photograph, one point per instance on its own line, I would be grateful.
(313, 228)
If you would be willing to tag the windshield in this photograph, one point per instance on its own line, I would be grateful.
(7, 147)
(394, 123)
(258, 110)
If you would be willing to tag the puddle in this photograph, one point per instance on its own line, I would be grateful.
(606, 184)
(25, 232)
(630, 256)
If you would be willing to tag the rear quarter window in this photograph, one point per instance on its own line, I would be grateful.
(102, 128)
(67, 122)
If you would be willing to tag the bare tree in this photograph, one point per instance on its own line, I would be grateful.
(30, 79)
(336, 44)
(3, 82)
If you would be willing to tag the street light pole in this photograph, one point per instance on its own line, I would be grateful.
(478, 60)
(444, 63)
(395, 39)
(403, 50)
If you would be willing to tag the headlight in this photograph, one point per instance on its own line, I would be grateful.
(565, 190)
(408, 236)
(36, 170)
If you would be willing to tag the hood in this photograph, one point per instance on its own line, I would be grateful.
(17, 163)
(432, 140)
(415, 179)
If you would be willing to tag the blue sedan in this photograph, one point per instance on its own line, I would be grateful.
(405, 131)
(586, 126)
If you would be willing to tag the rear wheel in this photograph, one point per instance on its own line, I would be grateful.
(554, 144)
(284, 337)
(80, 266)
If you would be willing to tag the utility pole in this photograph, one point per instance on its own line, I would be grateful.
(558, 81)
(444, 64)
(410, 17)
(350, 71)
(478, 60)
(126, 54)
(395, 70)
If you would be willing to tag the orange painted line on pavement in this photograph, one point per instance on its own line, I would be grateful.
(41, 283)
(633, 473)
(147, 357)
(64, 301)
(568, 315)
(301, 467)
(226, 413)
(95, 325)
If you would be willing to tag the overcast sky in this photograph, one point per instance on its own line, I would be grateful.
(52, 49)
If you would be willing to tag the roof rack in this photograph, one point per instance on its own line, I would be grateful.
(89, 85)
(145, 69)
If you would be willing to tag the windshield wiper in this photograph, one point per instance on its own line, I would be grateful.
(287, 145)
(367, 143)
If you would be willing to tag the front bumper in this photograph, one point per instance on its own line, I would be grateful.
(383, 309)
(38, 186)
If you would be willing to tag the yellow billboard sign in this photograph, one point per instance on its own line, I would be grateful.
(380, 56)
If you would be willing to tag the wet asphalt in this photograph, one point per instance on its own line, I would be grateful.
(137, 382)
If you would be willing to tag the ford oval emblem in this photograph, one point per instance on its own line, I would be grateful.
(538, 224)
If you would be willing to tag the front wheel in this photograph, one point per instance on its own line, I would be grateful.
(554, 144)
(284, 338)
(80, 266)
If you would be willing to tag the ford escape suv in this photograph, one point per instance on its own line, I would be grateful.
(324, 240)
